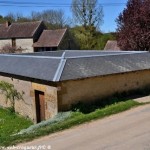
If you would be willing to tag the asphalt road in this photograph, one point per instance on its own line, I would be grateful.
(129, 130)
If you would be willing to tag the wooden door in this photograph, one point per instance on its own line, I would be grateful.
(40, 106)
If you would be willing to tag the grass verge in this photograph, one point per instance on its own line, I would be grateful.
(11, 123)
(76, 118)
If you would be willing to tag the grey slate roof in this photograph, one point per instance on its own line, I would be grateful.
(37, 68)
(77, 68)
(72, 65)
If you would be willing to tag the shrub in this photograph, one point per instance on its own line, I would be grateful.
(9, 49)
(10, 93)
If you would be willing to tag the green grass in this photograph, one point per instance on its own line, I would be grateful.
(10, 123)
(75, 119)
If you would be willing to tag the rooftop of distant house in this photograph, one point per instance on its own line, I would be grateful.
(50, 38)
(19, 30)
(112, 45)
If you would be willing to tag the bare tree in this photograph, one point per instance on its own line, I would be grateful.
(16, 17)
(52, 17)
(87, 12)
(10, 17)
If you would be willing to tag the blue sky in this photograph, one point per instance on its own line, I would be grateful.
(111, 10)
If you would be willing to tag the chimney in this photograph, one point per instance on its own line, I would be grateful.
(8, 23)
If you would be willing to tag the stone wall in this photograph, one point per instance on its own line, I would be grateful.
(4, 42)
(25, 44)
(66, 93)
(50, 94)
(26, 107)
(91, 89)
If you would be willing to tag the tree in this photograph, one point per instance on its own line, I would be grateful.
(52, 18)
(19, 17)
(87, 12)
(2, 20)
(15, 17)
(10, 17)
(85, 37)
(133, 31)
(89, 15)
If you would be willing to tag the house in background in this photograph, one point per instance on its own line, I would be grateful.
(52, 40)
(112, 45)
(33, 37)
(21, 35)
(53, 81)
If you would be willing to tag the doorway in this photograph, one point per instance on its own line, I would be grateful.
(40, 106)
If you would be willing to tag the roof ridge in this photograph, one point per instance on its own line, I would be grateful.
(29, 56)
(60, 68)
(62, 37)
(26, 22)
(105, 55)
(54, 29)
(40, 22)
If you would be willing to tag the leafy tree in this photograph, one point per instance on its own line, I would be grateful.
(2, 20)
(87, 12)
(86, 38)
(10, 93)
(102, 40)
(133, 32)
(89, 15)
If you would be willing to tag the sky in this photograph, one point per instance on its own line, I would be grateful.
(111, 9)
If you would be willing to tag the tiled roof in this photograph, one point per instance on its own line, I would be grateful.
(111, 45)
(50, 38)
(3, 31)
(19, 30)
(73, 65)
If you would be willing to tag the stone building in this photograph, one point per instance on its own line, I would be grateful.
(53, 81)
(21, 35)
(33, 37)
(112, 45)
(52, 40)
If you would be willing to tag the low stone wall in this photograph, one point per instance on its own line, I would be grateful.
(61, 97)
(91, 89)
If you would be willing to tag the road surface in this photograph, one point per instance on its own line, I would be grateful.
(129, 130)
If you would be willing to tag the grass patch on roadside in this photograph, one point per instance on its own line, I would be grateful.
(11, 123)
(76, 118)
